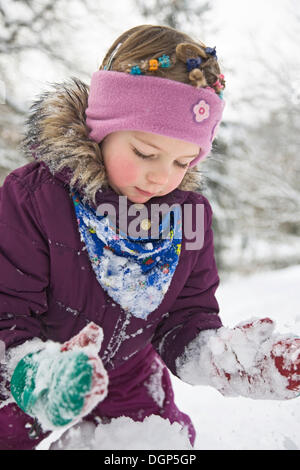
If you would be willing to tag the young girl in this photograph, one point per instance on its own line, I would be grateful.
(95, 306)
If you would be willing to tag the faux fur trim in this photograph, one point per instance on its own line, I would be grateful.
(58, 135)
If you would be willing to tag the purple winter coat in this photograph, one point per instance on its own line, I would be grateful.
(48, 289)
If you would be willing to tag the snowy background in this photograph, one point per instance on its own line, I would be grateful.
(251, 180)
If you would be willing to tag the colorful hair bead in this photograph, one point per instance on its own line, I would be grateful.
(135, 70)
(164, 61)
(211, 51)
(193, 63)
(218, 84)
(153, 65)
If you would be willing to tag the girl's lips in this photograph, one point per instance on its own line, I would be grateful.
(145, 193)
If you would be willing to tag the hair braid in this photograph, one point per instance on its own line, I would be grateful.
(143, 43)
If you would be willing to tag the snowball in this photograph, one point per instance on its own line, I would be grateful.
(154, 433)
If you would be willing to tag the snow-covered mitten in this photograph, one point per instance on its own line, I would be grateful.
(248, 360)
(60, 384)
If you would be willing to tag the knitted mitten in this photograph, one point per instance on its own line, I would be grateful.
(61, 383)
(248, 360)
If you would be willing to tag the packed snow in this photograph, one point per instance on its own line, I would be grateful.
(230, 423)
(240, 361)
(156, 431)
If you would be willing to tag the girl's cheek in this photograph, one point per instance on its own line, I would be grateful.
(122, 170)
(174, 182)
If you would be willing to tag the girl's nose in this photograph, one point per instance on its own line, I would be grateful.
(159, 176)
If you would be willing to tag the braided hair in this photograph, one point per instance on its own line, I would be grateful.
(145, 44)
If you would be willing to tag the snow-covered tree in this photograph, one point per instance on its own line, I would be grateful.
(32, 33)
(176, 13)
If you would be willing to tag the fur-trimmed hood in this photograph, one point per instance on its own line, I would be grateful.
(57, 134)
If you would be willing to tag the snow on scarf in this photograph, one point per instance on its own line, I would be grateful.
(135, 272)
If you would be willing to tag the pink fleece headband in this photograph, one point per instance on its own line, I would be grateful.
(120, 101)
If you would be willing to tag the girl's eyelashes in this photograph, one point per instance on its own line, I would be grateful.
(142, 155)
(182, 165)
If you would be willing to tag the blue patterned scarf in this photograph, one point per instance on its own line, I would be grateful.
(136, 273)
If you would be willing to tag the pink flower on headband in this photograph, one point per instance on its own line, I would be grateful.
(201, 111)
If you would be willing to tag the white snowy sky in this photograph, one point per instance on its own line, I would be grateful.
(250, 33)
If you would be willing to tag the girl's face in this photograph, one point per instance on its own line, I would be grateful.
(141, 165)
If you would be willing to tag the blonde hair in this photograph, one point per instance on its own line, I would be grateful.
(147, 42)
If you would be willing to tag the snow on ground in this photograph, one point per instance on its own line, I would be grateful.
(220, 422)
(125, 434)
